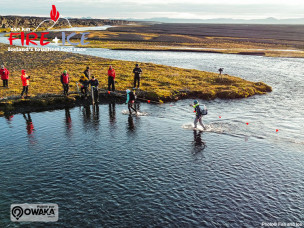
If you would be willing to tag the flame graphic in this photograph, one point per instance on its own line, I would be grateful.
(54, 17)
(54, 14)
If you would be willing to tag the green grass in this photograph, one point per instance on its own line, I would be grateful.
(159, 82)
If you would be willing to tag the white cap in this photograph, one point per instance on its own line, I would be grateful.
(2, 66)
(128, 91)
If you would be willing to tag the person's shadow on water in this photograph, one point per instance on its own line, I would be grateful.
(131, 126)
(198, 144)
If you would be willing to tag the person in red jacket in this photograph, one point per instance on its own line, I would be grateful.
(25, 83)
(111, 78)
(65, 82)
(4, 76)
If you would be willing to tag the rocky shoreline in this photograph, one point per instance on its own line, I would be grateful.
(47, 102)
(159, 83)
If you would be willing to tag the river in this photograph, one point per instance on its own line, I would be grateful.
(104, 168)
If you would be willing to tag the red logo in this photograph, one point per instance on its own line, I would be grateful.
(31, 37)
(54, 14)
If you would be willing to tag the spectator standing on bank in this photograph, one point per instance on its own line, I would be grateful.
(111, 78)
(137, 73)
(4, 76)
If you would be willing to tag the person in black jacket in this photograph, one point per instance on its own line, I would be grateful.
(221, 70)
(137, 72)
(94, 86)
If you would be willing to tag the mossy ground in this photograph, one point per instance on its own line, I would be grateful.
(158, 82)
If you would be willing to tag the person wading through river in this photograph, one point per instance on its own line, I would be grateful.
(25, 83)
(65, 82)
(111, 78)
(198, 114)
(94, 86)
(4, 76)
(130, 101)
(137, 73)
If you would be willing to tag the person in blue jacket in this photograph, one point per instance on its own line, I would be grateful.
(130, 101)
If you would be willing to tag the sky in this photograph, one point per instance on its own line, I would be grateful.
(143, 9)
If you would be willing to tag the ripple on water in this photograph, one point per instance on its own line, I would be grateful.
(154, 170)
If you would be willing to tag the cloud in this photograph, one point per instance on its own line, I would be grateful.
(196, 9)
(192, 2)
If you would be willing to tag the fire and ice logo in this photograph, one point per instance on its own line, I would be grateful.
(34, 212)
(30, 38)
(54, 15)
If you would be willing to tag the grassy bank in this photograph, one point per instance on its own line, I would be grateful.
(159, 82)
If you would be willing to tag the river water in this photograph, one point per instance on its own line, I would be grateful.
(105, 168)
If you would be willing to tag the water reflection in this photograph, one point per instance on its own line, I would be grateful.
(30, 128)
(91, 117)
(112, 113)
(86, 113)
(9, 119)
(68, 121)
(29, 124)
(198, 144)
(96, 116)
(131, 126)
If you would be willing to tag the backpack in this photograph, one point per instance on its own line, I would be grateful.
(132, 96)
(204, 110)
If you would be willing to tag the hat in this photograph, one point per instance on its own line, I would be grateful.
(64, 71)
(195, 102)
(2, 66)
(136, 64)
(128, 91)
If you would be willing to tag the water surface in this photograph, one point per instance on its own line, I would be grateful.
(104, 168)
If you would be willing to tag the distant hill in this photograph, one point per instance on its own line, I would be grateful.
(32, 22)
(269, 20)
